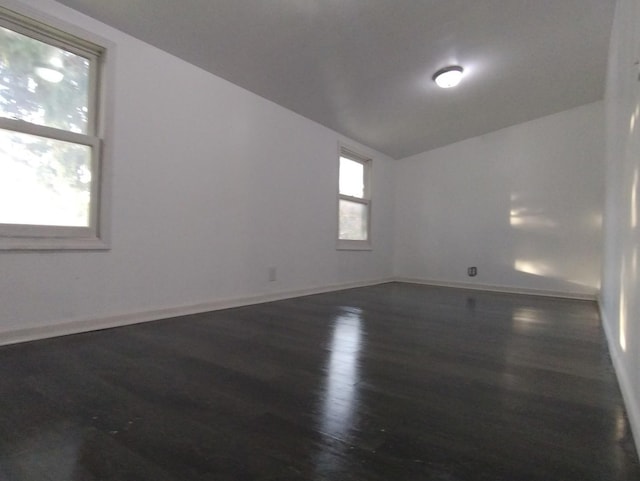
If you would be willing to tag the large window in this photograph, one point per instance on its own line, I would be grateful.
(49, 142)
(354, 201)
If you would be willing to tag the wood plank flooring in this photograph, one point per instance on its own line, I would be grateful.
(391, 382)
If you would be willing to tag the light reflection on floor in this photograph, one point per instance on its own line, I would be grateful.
(338, 412)
(54, 450)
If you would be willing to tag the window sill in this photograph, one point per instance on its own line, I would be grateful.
(49, 244)
(351, 245)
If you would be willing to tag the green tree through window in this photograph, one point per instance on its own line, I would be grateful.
(48, 147)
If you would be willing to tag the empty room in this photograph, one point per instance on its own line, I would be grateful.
(319, 240)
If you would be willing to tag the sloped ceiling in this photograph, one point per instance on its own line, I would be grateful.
(364, 67)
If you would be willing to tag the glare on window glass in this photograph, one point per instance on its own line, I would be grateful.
(351, 177)
(43, 181)
(43, 84)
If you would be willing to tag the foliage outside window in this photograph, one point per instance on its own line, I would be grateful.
(354, 201)
(49, 144)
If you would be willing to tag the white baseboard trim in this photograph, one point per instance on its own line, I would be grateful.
(631, 404)
(495, 288)
(65, 328)
(85, 325)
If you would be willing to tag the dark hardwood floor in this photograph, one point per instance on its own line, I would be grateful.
(392, 382)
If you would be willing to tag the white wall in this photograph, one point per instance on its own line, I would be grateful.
(621, 276)
(211, 186)
(523, 204)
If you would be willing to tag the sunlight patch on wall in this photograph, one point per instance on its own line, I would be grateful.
(623, 321)
(533, 267)
(634, 200)
(623, 311)
(596, 221)
(533, 219)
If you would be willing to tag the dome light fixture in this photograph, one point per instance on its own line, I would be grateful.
(448, 77)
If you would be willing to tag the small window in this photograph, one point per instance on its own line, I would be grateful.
(354, 201)
(49, 144)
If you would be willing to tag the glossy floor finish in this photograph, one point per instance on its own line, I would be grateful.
(391, 382)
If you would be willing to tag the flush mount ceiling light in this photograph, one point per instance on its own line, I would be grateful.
(448, 77)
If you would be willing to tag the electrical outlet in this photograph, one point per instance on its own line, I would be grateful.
(273, 274)
(472, 271)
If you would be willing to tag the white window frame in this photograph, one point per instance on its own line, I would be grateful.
(367, 162)
(39, 237)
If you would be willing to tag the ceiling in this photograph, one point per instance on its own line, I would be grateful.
(364, 67)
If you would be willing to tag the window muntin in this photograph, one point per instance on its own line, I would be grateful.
(49, 152)
(354, 201)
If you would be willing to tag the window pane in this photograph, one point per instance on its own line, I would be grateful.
(42, 84)
(351, 178)
(43, 181)
(353, 220)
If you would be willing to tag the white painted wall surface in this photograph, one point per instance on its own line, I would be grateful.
(211, 186)
(621, 271)
(523, 204)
